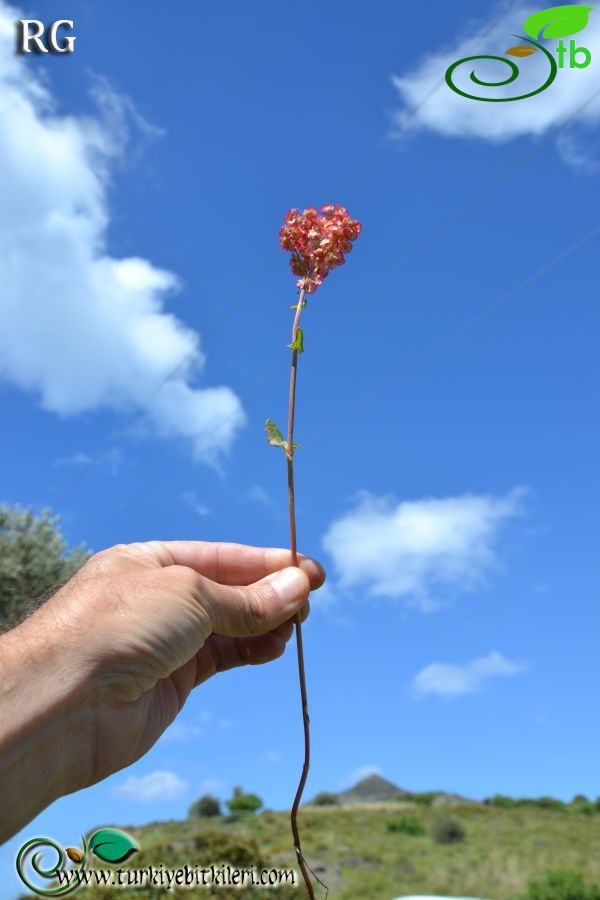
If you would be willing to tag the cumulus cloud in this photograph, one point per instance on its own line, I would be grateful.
(80, 329)
(271, 757)
(110, 461)
(452, 680)
(179, 731)
(258, 494)
(415, 549)
(429, 104)
(324, 598)
(194, 504)
(159, 785)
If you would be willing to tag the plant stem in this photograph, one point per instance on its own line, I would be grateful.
(294, 551)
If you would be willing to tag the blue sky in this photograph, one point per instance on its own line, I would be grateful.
(448, 475)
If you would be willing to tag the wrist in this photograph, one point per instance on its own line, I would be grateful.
(46, 723)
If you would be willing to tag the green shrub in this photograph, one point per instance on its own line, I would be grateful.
(405, 825)
(426, 798)
(326, 798)
(216, 847)
(548, 803)
(501, 801)
(504, 802)
(207, 805)
(561, 884)
(581, 806)
(447, 830)
(584, 808)
(241, 803)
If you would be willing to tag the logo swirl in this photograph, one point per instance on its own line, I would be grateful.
(40, 844)
(514, 74)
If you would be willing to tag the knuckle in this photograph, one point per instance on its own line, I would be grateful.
(187, 579)
(255, 616)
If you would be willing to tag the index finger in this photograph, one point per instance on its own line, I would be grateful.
(239, 564)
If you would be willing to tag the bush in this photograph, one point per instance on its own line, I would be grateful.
(426, 798)
(244, 803)
(561, 884)
(447, 830)
(326, 798)
(405, 825)
(207, 805)
(548, 803)
(501, 801)
(586, 809)
(504, 802)
(216, 847)
(582, 806)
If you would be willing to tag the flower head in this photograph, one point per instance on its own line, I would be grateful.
(318, 242)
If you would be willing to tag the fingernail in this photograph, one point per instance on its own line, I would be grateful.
(312, 567)
(290, 584)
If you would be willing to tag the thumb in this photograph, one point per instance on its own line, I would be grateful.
(259, 607)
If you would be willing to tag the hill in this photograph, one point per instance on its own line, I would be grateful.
(375, 789)
(372, 789)
(384, 849)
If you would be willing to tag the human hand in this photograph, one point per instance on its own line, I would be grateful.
(140, 625)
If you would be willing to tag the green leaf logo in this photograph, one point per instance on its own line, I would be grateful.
(111, 845)
(558, 21)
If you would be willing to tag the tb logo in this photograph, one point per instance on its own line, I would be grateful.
(33, 35)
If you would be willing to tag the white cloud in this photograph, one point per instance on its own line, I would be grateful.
(159, 785)
(258, 495)
(323, 598)
(76, 459)
(110, 461)
(271, 757)
(428, 103)
(414, 549)
(79, 328)
(196, 506)
(452, 680)
(178, 731)
(225, 724)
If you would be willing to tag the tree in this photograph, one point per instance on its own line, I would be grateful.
(325, 798)
(33, 561)
(207, 805)
(241, 802)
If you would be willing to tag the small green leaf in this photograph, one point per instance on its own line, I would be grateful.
(298, 341)
(558, 21)
(274, 435)
(111, 845)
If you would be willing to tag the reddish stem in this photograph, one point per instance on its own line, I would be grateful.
(293, 546)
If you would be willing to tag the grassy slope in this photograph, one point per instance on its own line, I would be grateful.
(354, 853)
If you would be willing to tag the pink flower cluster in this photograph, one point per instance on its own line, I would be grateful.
(317, 242)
